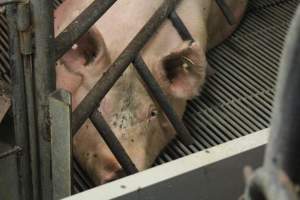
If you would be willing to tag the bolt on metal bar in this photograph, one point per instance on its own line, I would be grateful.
(112, 141)
(161, 98)
(80, 25)
(180, 27)
(226, 12)
(97, 93)
(11, 151)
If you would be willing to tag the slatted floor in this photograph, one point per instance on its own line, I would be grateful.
(237, 99)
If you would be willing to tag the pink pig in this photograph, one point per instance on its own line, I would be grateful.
(134, 116)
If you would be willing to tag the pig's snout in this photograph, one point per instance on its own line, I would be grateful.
(112, 170)
(114, 175)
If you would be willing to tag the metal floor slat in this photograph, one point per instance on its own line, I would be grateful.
(237, 99)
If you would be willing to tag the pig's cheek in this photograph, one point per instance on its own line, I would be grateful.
(106, 107)
(142, 115)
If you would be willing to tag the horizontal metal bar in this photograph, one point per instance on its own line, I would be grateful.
(227, 12)
(14, 150)
(113, 143)
(71, 34)
(161, 98)
(181, 178)
(96, 94)
(6, 2)
(180, 27)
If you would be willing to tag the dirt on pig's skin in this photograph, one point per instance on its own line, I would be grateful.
(134, 116)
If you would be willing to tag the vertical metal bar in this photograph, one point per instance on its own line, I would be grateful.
(44, 76)
(19, 106)
(283, 151)
(29, 90)
(61, 143)
(160, 97)
(24, 27)
(113, 143)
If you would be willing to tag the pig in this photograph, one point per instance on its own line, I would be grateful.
(180, 68)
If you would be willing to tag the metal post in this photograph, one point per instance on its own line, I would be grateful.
(44, 77)
(279, 178)
(19, 106)
(61, 143)
(283, 151)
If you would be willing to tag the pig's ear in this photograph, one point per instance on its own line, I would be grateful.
(89, 48)
(185, 70)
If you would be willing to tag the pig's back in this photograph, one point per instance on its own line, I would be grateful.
(126, 18)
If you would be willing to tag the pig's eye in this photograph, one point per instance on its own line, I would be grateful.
(153, 113)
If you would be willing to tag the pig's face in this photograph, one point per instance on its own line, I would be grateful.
(128, 108)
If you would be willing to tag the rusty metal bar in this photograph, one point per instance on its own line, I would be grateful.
(11, 151)
(226, 12)
(6, 2)
(112, 141)
(44, 79)
(19, 105)
(161, 98)
(96, 94)
(61, 143)
(180, 27)
(71, 34)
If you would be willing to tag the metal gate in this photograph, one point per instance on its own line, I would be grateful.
(42, 115)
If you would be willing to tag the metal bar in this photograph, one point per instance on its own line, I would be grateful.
(19, 105)
(280, 175)
(61, 143)
(180, 27)
(65, 40)
(11, 151)
(96, 94)
(24, 27)
(181, 178)
(283, 151)
(113, 143)
(44, 79)
(162, 100)
(227, 12)
(6, 2)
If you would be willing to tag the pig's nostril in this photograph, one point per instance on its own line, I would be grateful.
(120, 173)
(114, 176)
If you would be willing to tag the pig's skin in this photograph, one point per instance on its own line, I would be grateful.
(178, 66)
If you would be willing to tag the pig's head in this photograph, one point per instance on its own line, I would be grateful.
(128, 108)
